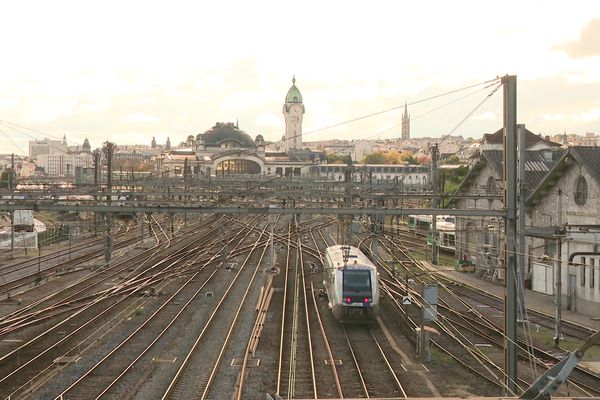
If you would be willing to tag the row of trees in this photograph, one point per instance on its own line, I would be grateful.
(393, 157)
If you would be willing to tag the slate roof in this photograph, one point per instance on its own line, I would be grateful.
(226, 131)
(538, 164)
(589, 158)
(530, 138)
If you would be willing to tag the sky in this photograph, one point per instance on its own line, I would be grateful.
(127, 71)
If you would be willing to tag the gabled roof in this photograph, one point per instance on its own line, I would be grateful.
(589, 158)
(538, 165)
(586, 156)
(530, 138)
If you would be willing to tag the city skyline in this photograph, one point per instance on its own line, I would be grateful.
(127, 74)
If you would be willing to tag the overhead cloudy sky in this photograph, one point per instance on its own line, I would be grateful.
(129, 70)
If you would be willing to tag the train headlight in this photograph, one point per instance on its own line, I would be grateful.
(348, 300)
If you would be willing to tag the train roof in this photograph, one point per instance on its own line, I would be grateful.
(357, 257)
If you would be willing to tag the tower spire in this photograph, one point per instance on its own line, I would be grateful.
(294, 79)
(405, 123)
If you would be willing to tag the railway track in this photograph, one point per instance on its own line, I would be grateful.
(193, 378)
(84, 325)
(470, 327)
(124, 367)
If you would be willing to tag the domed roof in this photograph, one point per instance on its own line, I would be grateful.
(226, 132)
(293, 95)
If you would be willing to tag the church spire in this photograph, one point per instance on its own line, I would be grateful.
(405, 123)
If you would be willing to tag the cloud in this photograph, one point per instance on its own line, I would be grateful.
(486, 116)
(269, 119)
(588, 44)
(585, 116)
(141, 117)
(554, 117)
(589, 116)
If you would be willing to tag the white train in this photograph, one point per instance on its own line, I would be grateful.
(351, 284)
(445, 225)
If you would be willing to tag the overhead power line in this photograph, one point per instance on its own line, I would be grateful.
(401, 106)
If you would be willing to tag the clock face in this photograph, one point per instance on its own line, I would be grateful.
(296, 110)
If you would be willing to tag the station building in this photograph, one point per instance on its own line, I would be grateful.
(562, 194)
(226, 150)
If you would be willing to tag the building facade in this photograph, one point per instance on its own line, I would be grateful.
(64, 164)
(47, 146)
(562, 194)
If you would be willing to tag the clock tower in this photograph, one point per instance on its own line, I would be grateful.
(293, 110)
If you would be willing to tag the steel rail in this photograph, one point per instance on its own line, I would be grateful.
(490, 325)
(19, 315)
(84, 325)
(183, 368)
(336, 378)
(307, 321)
(387, 363)
(283, 313)
(147, 322)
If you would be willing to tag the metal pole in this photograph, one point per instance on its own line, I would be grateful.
(109, 149)
(510, 204)
(522, 220)
(434, 204)
(12, 213)
(70, 239)
(558, 275)
(39, 271)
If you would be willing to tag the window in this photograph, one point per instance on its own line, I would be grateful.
(582, 270)
(592, 272)
(356, 285)
(491, 185)
(581, 191)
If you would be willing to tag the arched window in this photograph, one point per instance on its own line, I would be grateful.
(581, 191)
(491, 185)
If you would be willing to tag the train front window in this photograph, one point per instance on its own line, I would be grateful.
(357, 285)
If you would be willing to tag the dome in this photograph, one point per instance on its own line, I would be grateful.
(226, 134)
(293, 95)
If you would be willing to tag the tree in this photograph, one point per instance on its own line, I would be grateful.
(333, 158)
(453, 160)
(4, 178)
(374, 158)
(393, 157)
(411, 160)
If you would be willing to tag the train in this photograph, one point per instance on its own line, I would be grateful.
(351, 284)
(445, 225)
(23, 221)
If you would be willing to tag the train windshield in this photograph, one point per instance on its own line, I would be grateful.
(357, 286)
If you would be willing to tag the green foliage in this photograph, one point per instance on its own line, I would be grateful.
(333, 158)
(374, 158)
(411, 160)
(453, 160)
(4, 177)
